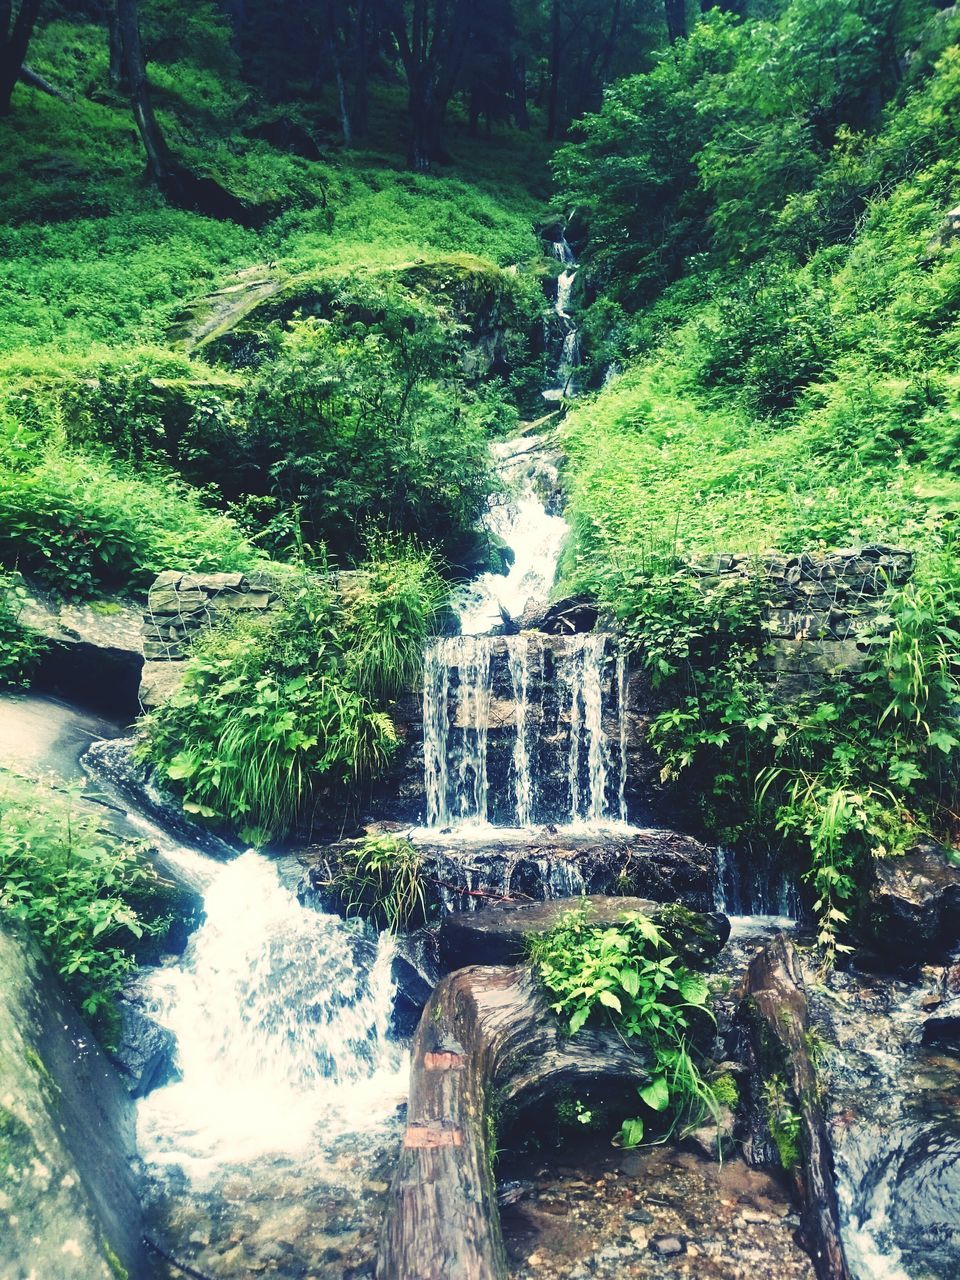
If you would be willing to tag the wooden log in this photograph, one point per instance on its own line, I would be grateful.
(775, 1010)
(486, 1038)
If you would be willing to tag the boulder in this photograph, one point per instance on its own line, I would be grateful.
(911, 910)
(942, 1027)
(535, 866)
(68, 1203)
(500, 934)
(569, 616)
(145, 1052)
(94, 654)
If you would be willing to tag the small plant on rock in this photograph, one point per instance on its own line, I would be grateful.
(384, 880)
(628, 976)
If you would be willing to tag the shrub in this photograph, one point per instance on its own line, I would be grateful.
(627, 976)
(384, 880)
(75, 885)
(20, 647)
(272, 709)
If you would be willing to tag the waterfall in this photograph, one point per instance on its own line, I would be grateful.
(517, 653)
(281, 1015)
(520, 519)
(570, 355)
(519, 730)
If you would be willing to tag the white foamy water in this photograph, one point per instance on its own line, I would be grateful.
(281, 1015)
(533, 535)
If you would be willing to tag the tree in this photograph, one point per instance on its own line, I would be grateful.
(431, 36)
(161, 166)
(15, 32)
(675, 12)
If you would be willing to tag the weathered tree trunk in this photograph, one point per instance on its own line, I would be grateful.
(556, 49)
(361, 77)
(774, 1008)
(14, 40)
(117, 72)
(486, 1038)
(521, 112)
(161, 167)
(37, 82)
(333, 46)
(676, 15)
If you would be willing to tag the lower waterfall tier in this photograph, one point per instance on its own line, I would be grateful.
(524, 730)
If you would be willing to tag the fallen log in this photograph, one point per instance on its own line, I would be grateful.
(775, 1013)
(487, 1039)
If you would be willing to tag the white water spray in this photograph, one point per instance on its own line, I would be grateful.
(281, 1015)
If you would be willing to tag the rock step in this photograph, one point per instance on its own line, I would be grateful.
(500, 935)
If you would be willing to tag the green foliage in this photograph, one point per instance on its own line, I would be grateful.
(384, 880)
(783, 1121)
(273, 708)
(20, 647)
(75, 885)
(81, 525)
(627, 976)
(390, 608)
(359, 425)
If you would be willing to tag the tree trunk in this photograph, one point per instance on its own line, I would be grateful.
(13, 46)
(774, 1008)
(486, 1035)
(676, 15)
(361, 63)
(160, 163)
(424, 126)
(333, 46)
(553, 103)
(521, 114)
(117, 72)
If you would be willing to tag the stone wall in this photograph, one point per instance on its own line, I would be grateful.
(179, 605)
(822, 607)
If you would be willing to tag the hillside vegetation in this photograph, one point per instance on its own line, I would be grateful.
(770, 307)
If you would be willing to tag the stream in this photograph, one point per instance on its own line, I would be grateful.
(272, 1149)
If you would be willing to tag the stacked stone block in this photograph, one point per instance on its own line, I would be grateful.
(181, 604)
(822, 610)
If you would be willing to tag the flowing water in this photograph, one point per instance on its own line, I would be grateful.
(565, 386)
(523, 730)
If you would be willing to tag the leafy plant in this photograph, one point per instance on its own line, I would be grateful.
(20, 647)
(77, 887)
(783, 1121)
(384, 880)
(626, 975)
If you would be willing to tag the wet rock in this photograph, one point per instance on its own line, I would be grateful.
(943, 1027)
(415, 973)
(544, 864)
(667, 1246)
(68, 1208)
(912, 907)
(568, 616)
(145, 1052)
(499, 934)
(715, 1139)
(95, 652)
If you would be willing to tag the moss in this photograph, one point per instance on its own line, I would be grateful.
(725, 1091)
(784, 1122)
(16, 1143)
(117, 1268)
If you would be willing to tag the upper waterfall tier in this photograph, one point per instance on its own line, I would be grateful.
(520, 517)
(521, 730)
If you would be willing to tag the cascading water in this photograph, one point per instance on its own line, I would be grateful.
(517, 730)
(565, 385)
(281, 1016)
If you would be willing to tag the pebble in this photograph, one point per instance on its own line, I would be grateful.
(755, 1215)
(668, 1246)
(639, 1237)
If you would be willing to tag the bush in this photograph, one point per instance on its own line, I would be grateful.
(75, 885)
(20, 647)
(82, 526)
(626, 975)
(273, 709)
(383, 880)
